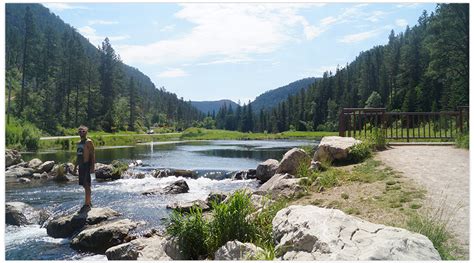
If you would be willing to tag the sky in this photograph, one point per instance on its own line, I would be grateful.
(237, 51)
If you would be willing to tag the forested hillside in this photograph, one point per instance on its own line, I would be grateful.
(212, 107)
(56, 80)
(271, 98)
(424, 68)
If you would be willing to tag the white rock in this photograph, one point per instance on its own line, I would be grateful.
(235, 250)
(334, 148)
(281, 185)
(313, 233)
(292, 160)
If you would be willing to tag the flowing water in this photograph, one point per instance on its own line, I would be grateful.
(213, 161)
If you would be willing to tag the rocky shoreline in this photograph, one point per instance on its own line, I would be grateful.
(299, 232)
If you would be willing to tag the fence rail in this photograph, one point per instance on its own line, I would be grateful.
(358, 122)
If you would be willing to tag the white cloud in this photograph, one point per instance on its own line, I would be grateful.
(91, 34)
(401, 22)
(328, 21)
(359, 36)
(173, 73)
(101, 22)
(376, 16)
(167, 28)
(62, 6)
(319, 71)
(227, 61)
(408, 5)
(232, 31)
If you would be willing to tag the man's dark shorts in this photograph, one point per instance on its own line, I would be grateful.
(84, 174)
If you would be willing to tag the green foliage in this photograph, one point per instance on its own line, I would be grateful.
(191, 231)
(360, 152)
(462, 140)
(377, 139)
(230, 221)
(434, 226)
(22, 135)
(374, 100)
(118, 168)
(199, 238)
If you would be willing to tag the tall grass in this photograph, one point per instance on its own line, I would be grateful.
(234, 219)
(462, 140)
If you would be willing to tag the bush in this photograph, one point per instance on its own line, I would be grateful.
(360, 152)
(22, 135)
(118, 168)
(462, 140)
(377, 139)
(191, 231)
(231, 221)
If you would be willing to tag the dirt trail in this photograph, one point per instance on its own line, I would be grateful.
(444, 172)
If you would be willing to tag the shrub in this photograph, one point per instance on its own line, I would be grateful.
(231, 222)
(360, 152)
(462, 140)
(118, 168)
(22, 135)
(377, 139)
(190, 231)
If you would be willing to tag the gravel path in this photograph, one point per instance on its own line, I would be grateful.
(444, 172)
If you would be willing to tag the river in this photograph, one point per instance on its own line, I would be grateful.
(213, 161)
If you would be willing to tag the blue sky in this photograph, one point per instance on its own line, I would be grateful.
(237, 51)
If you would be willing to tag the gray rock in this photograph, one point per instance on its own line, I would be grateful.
(281, 185)
(46, 167)
(217, 197)
(35, 164)
(161, 173)
(172, 249)
(245, 174)
(20, 172)
(315, 166)
(178, 187)
(266, 170)
(36, 176)
(313, 233)
(184, 173)
(65, 226)
(236, 250)
(186, 206)
(12, 157)
(139, 176)
(24, 180)
(334, 148)
(106, 172)
(101, 237)
(18, 213)
(292, 160)
(260, 202)
(139, 249)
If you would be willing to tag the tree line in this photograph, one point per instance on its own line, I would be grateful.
(425, 68)
(57, 80)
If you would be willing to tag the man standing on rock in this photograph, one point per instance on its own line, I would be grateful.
(86, 162)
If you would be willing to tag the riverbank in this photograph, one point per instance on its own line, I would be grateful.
(128, 139)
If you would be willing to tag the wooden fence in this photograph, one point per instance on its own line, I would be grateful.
(359, 122)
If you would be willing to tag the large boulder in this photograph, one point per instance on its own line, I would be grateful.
(333, 148)
(183, 173)
(35, 164)
(313, 233)
(106, 172)
(236, 250)
(66, 226)
(266, 170)
(281, 185)
(177, 187)
(20, 172)
(46, 167)
(139, 249)
(18, 213)
(12, 157)
(101, 237)
(292, 160)
(186, 206)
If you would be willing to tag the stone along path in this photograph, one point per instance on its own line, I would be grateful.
(444, 172)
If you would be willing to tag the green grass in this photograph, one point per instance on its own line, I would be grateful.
(462, 141)
(206, 134)
(434, 227)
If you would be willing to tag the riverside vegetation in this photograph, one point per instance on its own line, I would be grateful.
(362, 187)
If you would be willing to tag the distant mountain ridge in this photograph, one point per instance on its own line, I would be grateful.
(212, 106)
(271, 98)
